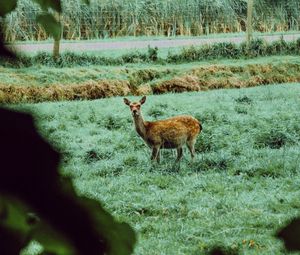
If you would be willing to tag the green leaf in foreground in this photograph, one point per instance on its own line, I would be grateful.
(7, 6)
(45, 4)
(30, 183)
(86, 1)
(50, 24)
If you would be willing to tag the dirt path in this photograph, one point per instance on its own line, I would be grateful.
(135, 44)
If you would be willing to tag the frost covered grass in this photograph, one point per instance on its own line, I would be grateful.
(242, 187)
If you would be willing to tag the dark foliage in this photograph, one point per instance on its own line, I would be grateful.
(222, 251)
(291, 235)
(29, 175)
(257, 47)
(244, 100)
(274, 138)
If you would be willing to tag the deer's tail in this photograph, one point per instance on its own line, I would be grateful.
(200, 126)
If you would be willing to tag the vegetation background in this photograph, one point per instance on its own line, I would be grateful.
(105, 19)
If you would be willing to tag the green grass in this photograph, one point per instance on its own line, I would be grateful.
(163, 52)
(224, 50)
(242, 187)
(44, 75)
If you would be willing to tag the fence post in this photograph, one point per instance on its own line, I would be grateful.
(249, 21)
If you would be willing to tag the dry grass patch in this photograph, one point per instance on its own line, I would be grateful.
(144, 89)
(145, 82)
(216, 76)
(178, 84)
(87, 90)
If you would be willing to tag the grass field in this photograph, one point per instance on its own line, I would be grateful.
(242, 187)
(46, 76)
(43, 83)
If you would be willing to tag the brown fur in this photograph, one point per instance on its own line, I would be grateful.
(170, 133)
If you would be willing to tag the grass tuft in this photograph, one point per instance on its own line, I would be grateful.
(274, 138)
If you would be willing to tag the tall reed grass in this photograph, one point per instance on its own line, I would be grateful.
(114, 18)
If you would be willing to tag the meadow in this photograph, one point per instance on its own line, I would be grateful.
(40, 83)
(242, 187)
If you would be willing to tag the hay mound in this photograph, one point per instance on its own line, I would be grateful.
(178, 85)
(84, 91)
(218, 77)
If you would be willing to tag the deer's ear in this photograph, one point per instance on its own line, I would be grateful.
(143, 100)
(126, 101)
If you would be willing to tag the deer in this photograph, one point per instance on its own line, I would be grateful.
(171, 133)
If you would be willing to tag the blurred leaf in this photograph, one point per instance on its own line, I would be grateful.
(290, 234)
(14, 231)
(52, 241)
(86, 1)
(4, 52)
(7, 6)
(68, 224)
(45, 4)
(20, 224)
(119, 236)
(50, 24)
(15, 215)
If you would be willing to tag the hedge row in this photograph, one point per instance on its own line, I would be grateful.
(257, 47)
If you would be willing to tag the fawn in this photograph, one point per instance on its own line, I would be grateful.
(170, 133)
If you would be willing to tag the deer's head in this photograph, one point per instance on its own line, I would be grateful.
(135, 107)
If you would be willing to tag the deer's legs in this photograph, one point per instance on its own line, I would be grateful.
(155, 154)
(158, 156)
(179, 154)
(191, 146)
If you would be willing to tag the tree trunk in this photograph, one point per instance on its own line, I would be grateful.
(249, 21)
(57, 40)
(56, 48)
